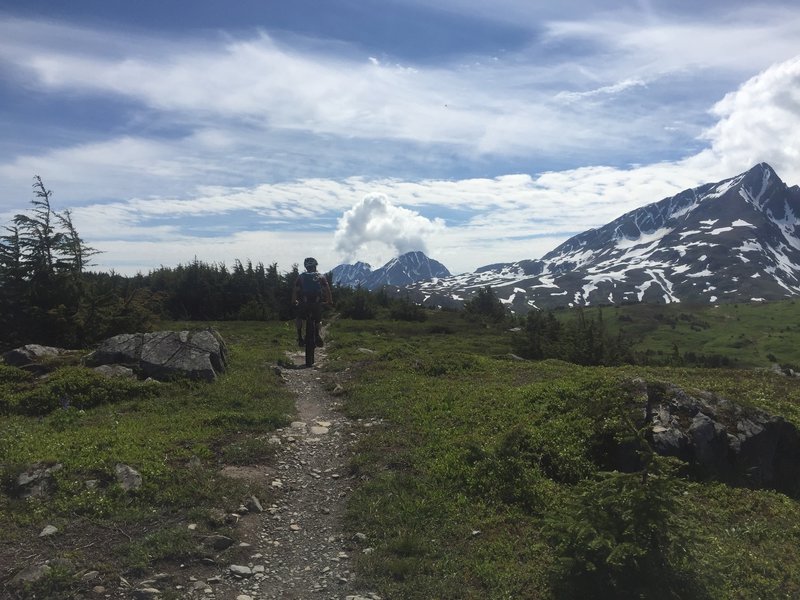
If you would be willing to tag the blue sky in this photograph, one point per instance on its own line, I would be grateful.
(479, 132)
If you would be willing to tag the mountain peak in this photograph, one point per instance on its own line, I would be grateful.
(736, 240)
(406, 269)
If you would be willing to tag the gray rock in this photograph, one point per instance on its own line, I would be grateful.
(146, 593)
(128, 477)
(30, 353)
(30, 574)
(736, 444)
(241, 571)
(254, 505)
(218, 542)
(37, 481)
(165, 355)
(112, 371)
(48, 531)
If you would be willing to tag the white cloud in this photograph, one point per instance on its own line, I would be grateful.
(375, 220)
(236, 99)
(760, 122)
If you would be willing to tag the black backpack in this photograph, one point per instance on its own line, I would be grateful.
(311, 284)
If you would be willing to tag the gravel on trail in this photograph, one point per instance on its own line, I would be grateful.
(302, 550)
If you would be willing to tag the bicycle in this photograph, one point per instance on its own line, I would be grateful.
(311, 331)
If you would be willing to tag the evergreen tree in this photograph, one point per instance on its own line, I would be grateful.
(485, 306)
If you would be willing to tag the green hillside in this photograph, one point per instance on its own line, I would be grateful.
(749, 335)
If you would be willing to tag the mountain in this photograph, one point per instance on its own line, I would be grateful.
(404, 270)
(352, 275)
(737, 240)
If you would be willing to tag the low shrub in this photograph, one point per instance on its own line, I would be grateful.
(79, 388)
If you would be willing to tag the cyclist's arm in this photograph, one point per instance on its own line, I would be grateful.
(326, 286)
(295, 290)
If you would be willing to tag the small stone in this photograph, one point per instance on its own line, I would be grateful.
(218, 542)
(146, 593)
(241, 570)
(295, 527)
(254, 505)
(318, 430)
(128, 477)
(48, 531)
(99, 589)
(244, 597)
(89, 575)
(361, 537)
(259, 569)
(192, 526)
(368, 551)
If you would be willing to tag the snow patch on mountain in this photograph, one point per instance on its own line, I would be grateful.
(690, 247)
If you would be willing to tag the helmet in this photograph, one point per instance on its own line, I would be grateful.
(310, 263)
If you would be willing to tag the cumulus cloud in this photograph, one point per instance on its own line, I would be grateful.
(761, 122)
(376, 220)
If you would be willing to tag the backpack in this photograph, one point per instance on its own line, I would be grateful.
(311, 284)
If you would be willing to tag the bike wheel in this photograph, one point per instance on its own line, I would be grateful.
(311, 341)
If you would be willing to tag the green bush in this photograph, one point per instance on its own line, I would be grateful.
(359, 306)
(12, 382)
(612, 535)
(405, 310)
(510, 473)
(435, 366)
(80, 388)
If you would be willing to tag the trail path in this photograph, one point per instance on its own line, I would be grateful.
(302, 551)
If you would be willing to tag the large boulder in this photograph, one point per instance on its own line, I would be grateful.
(720, 439)
(165, 355)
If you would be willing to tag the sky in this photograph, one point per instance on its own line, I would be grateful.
(477, 132)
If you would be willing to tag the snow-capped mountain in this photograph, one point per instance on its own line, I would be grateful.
(354, 275)
(407, 269)
(733, 241)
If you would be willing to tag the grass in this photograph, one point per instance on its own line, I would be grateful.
(479, 455)
(177, 435)
(485, 476)
(751, 335)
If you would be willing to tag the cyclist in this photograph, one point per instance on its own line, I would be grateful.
(310, 290)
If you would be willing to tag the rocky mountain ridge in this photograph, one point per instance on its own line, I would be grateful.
(404, 270)
(737, 240)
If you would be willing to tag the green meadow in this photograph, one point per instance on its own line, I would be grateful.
(486, 477)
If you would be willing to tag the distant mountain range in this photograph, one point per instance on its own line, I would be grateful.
(737, 240)
(399, 272)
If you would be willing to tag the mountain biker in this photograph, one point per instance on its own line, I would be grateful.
(310, 290)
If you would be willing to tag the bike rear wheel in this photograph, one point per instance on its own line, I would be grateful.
(311, 340)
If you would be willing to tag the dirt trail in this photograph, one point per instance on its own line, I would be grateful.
(301, 550)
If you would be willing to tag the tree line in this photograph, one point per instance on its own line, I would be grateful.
(47, 295)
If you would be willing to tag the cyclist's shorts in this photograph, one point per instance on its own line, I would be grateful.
(312, 304)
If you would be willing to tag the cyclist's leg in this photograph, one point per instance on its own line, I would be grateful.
(298, 323)
(317, 312)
